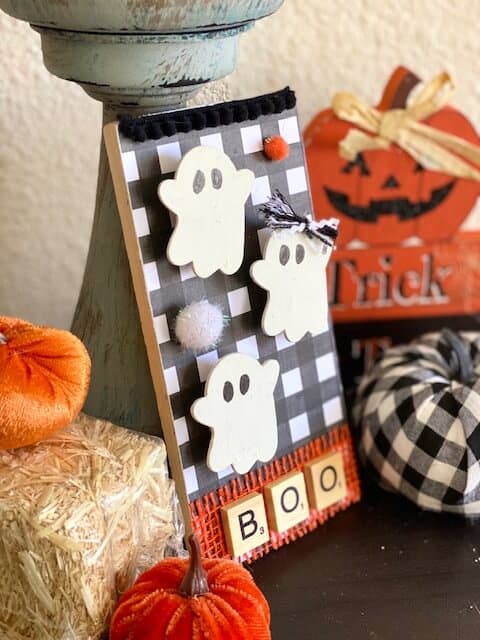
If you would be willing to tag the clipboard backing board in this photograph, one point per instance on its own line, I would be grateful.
(308, 396)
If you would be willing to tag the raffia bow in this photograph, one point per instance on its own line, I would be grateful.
(432, 148)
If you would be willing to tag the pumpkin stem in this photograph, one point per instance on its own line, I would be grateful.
(3, 339)
(460, 362)
(398, 88)
(195, 582)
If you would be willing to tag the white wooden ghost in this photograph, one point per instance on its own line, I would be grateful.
(239, 408)
(208, 196)
(293, 271)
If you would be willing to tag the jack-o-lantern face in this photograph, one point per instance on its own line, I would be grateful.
(385, 196)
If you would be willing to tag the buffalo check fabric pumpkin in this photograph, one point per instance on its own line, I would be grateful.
(419, 413)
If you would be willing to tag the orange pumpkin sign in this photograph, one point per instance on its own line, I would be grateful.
(384, 196)
(180, 600)
(44, 377)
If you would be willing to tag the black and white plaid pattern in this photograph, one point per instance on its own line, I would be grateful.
(308, 395)
(420, 429)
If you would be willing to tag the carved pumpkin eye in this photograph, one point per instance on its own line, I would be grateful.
(228, 391)
(244, 384)
(358, 162)
(198, 182)
(216, 178)
(418, 168)
(299, 253)
(284, 255)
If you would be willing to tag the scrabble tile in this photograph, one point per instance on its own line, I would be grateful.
(286, 501)
(325, 478)
(245, 524)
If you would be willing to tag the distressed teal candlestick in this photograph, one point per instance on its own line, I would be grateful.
(134, 56)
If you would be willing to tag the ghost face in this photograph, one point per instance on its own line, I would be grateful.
(293, 271)
(239, 407)
(208, 197)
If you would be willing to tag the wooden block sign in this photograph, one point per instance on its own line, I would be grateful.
(407, 258)
(240, 412)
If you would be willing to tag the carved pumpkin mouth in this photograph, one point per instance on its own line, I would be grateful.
(404, 208)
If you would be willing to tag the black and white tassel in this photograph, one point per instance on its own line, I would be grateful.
(279, 214)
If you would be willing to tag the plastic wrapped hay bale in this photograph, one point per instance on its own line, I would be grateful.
(81, 515)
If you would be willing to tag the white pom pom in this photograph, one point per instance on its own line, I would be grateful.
(199, 326)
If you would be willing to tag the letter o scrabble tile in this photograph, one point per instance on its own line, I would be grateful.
(245, 524)
(325, 478)
(287, 503)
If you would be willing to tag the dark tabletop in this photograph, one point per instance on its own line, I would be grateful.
(382, 570)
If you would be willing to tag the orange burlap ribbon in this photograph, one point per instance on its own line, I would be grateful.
(433, 149)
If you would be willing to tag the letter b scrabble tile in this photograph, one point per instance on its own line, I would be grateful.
(287, 503)
(326, 482)
(245, 524)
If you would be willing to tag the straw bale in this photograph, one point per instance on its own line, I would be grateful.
(80, 516)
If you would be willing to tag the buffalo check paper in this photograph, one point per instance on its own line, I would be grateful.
(308, 394)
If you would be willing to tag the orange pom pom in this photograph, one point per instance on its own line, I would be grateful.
(276, 148)
(44, 378)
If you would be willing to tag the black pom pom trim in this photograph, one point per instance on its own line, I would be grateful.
(290, 99)
(184, 125)
(213, 118)
(279, 104)
(138, 133)
(268, 106)
(199, 120)
(240, 111)
(169, 128)
(254, 110)
(153, 130)
(164, 125)
(226, 114)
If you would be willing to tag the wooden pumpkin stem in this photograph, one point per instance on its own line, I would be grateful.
(3, 339)
(195, 582)
(460, 362)
(398, 88)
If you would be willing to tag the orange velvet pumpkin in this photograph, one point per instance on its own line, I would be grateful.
(385, 196)
(181, 600)
(44, 377)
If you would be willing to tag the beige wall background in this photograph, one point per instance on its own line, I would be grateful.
(49, 129)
